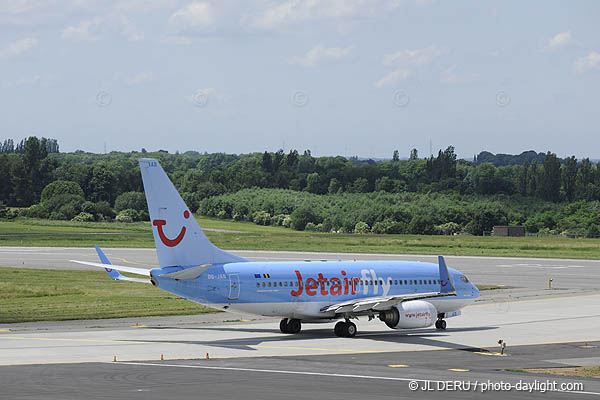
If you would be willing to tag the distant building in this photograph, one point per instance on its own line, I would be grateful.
(508, 231)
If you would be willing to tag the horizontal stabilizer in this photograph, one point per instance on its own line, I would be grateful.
(131, 270)
(188, 273)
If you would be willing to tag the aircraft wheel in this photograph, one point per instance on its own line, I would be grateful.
(437, 324)
(349, 329)
(283, 326)
(339, 328)
(442, 324)
(294, 326)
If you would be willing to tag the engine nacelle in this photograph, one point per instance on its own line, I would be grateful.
(410, 314)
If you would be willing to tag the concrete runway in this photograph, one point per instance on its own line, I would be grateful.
(449, 374)
(253, 359)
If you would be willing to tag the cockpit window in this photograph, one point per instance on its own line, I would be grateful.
(464, 279)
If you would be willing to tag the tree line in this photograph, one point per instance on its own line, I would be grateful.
(102, 186)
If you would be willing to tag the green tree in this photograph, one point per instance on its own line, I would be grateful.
(102, 183)
(522, 183)
(302, 216)
(57, 188)
(334, 186)
(485, 218)
(313, 183)
(361, 227)
(568, 177)
(5, 179)
(396, 156)
(34, 151)
(414, 155)
(550, 184)
(132, 200)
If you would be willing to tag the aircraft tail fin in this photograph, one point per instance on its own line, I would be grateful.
(445, 281)
(178, 237)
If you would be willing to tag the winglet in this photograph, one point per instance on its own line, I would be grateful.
(446, 285)
(113, 273)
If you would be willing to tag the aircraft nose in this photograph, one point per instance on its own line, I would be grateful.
(475, 290)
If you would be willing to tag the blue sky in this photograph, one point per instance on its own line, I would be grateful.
(339, 77)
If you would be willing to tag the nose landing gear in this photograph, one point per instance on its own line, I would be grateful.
(440, 324)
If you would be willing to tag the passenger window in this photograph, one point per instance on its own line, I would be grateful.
(410, 281)
(375, 282)
(257, 284)
(285, 283)
(395, 281)
(371, 283)
(280, 284)
(269, 284)
(420, 282)
(264, 284)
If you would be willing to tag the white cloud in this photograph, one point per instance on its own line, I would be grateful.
(176, 40)
(450, 77)
(405, 62)
(143, 5)
(203, 97)
(588, 63)
(320, 54)
(129, 31)
(85, 30)
(140, 78)
(558, 42)
(17, 48)
(412, 58)
(393, 78)
(198, 15)
(100, 27)
(296, 11)
(19, 6)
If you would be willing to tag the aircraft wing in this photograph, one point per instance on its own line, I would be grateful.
(384, 303)
(379, 303)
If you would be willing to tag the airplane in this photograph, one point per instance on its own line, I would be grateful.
(401, 294)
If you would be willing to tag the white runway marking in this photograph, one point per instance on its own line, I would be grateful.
(333, 375)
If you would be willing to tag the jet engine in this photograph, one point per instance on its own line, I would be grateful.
(410, 314)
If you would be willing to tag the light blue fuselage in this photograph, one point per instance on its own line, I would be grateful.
(302, 289)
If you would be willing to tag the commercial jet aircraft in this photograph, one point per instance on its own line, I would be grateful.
(402, 294)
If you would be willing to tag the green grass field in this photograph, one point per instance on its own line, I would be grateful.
(31, 232)
(51, 295)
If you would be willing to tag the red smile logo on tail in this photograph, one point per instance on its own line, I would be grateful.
(159, 223)
(444, 283)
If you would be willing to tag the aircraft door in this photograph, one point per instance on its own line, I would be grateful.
(234, 287)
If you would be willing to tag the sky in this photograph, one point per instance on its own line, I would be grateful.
(338, 77)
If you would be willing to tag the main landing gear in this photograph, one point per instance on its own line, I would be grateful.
(440, 324)
(345, 329)
(290, 326)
